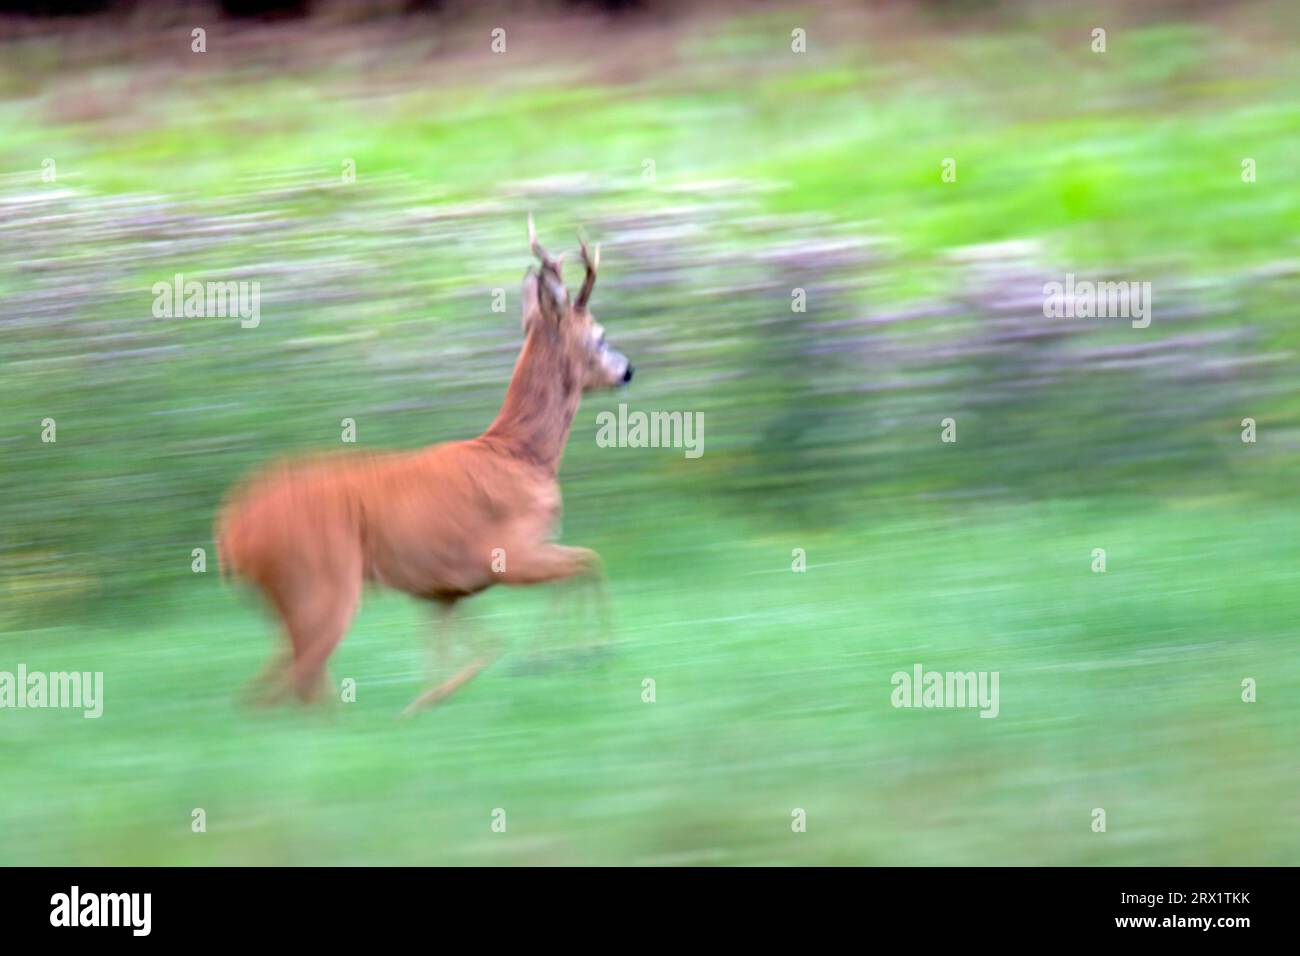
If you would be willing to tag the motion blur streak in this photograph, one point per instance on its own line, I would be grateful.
(837, 237)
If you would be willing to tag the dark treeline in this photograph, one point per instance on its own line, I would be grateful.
(278, 9)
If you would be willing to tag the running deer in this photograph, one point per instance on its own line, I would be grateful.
(309, 534)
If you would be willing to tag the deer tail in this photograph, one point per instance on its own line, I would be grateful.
(221, 533)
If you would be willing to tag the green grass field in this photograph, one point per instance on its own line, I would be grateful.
(772, 692)
(1119, 690)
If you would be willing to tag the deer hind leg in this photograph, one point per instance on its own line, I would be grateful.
(267, 686)
(315, 617)
(316, 632)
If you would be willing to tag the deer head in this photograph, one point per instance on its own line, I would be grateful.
(569, 326)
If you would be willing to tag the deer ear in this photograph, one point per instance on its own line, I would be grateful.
(552, 296)
(531, 307)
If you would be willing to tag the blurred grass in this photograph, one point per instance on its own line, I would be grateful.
(1118, 691)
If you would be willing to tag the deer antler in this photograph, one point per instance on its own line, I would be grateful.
(555, 264)
(592, 262)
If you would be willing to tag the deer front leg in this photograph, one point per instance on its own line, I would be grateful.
(439, 640)
(440, 692)
(549, 562)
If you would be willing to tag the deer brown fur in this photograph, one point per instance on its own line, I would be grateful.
(310, 534)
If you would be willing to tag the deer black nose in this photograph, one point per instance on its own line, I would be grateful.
(627, 374)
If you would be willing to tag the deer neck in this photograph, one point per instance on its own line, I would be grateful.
(540, 403)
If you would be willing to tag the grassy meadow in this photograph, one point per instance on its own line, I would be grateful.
(769, 171)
